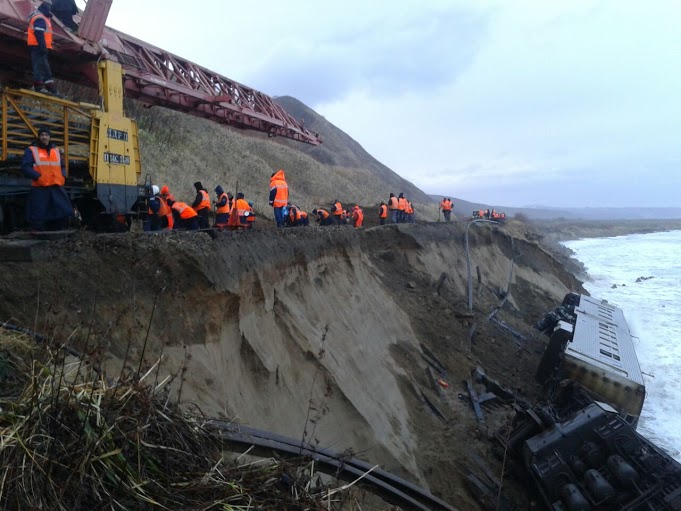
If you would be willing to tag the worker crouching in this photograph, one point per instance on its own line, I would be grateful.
(242, 210)
(322, 217)
(184, 216)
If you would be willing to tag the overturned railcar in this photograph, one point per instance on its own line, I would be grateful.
(590, 343)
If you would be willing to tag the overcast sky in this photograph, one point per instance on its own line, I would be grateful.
(510, 102)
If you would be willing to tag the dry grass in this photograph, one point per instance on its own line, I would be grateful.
(72, 439)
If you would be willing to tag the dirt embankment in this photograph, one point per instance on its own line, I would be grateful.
(315, 333)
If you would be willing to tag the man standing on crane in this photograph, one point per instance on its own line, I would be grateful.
(48, 205)
(40, 42)
(278, 196)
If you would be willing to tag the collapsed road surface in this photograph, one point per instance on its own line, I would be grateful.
(355, 340)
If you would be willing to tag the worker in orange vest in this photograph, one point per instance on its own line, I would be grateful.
(242, 210)
(337, 212)
(394, 207)
(222, 208)
(167, 221)
(409, 212)
(446, 206)
(201, 205)
(297, 217)
(401, 209)
(357, 216)
(278, 196)
(39, 41)
(382, 213)
(184, 216)
(251, 216)
(48, 205)
(322, 216)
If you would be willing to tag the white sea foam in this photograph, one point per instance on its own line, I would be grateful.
(652, 308)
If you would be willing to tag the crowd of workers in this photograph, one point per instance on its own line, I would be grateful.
(489, 214)
(232, 213)
(49, 207)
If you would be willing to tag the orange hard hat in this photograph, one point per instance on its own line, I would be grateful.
(165, 190)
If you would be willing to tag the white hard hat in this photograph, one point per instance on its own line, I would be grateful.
(154, 190)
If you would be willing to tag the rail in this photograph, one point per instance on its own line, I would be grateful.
(380, 482)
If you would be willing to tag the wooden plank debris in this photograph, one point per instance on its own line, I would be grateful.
(474, 401)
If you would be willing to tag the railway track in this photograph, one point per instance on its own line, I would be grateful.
(380, 482)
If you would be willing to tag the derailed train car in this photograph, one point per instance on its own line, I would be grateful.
(590, 343)
(580, 446)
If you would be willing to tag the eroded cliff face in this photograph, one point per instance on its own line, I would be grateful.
(314, 333)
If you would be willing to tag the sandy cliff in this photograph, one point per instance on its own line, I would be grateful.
(314, 333)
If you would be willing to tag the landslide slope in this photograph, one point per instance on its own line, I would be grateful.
(311, 333)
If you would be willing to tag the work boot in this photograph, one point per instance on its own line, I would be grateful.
(39, 87)
(49, 85)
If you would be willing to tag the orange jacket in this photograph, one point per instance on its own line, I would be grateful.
(47, 162)
(322, 214)
(402, 204)
(205, 201)
(32, 40)
(446, 205)
(383, 211)
(184, 210)
(280, 188)
(358, 216)
(337, 209)
(165, 211)
(409, 209)
(223, 209)
(241, 207)
(393, 203)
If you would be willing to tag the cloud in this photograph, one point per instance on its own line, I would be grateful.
(384, 57)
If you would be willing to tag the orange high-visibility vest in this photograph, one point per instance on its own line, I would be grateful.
(32, 40)
(205, 201)
(165, 211)
(223, 209)
(409, 209)
(393, 203)
(402, 204)
(184, 210)
(47, 162)
(324, 214)
(383, 212)
(278, 181)
(446, 205)
(241, 207)
(358, 217)
(338, 209)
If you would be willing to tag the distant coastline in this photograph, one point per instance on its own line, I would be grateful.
(551, 234)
